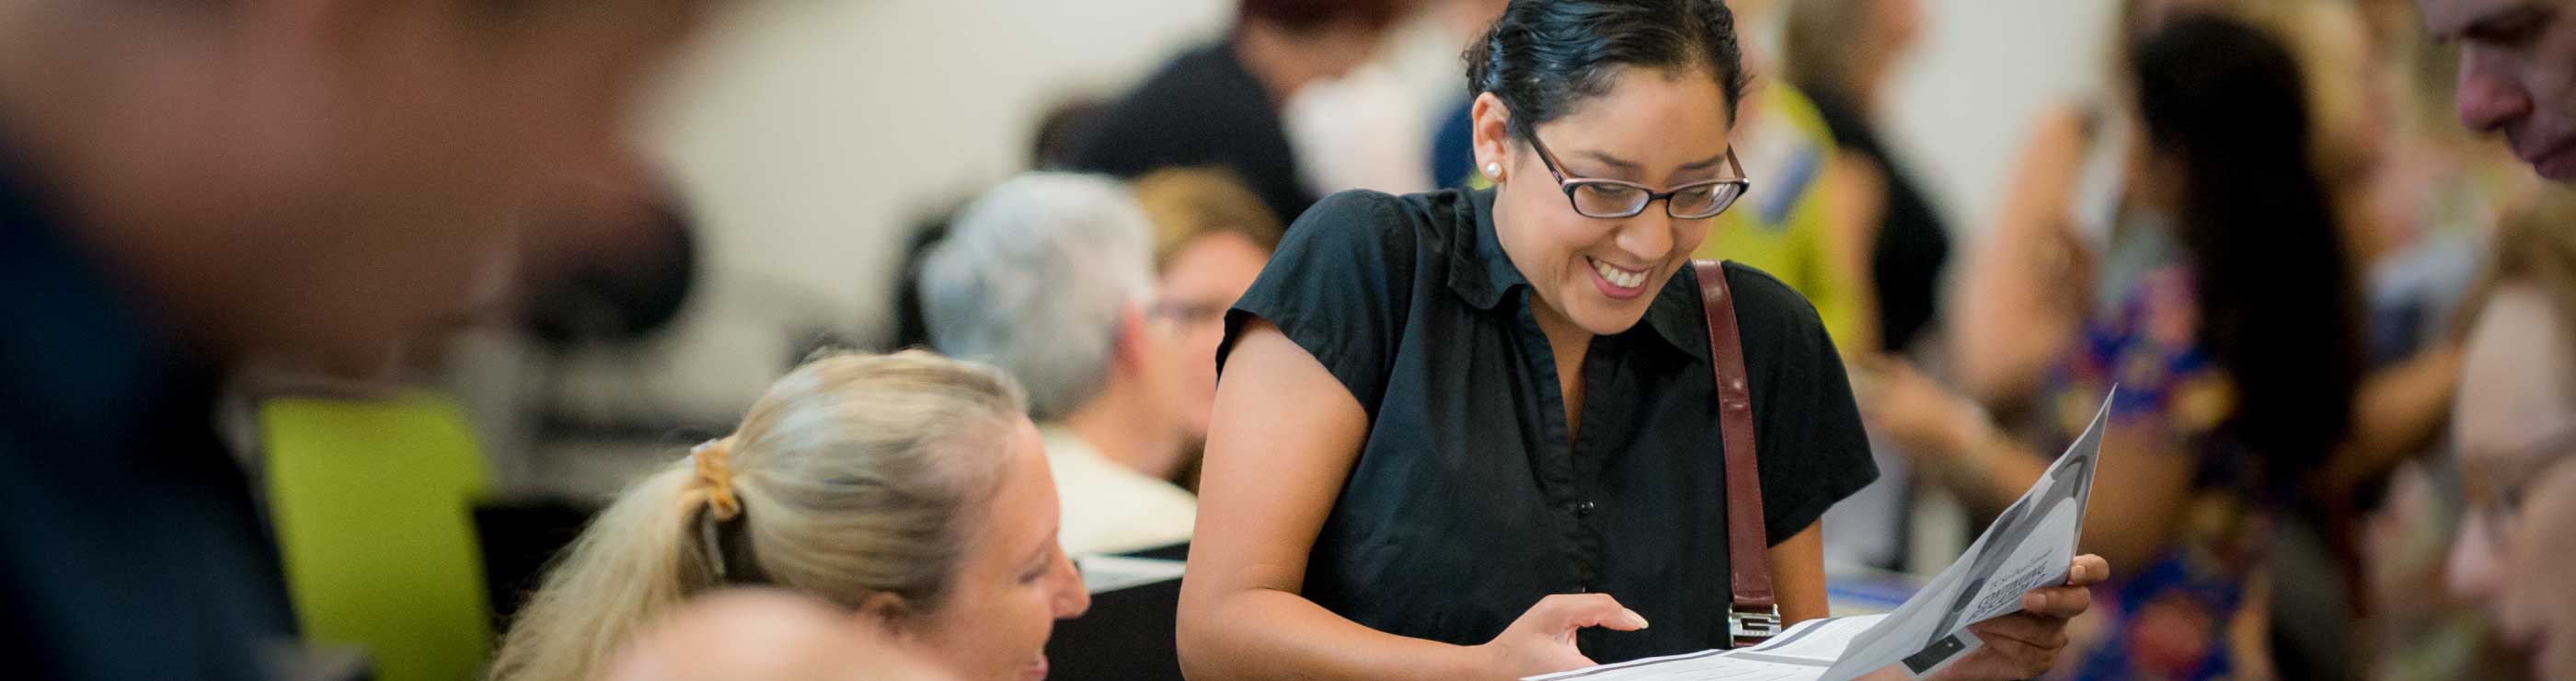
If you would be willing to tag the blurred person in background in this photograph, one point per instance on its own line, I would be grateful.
(2462, 576)
(2237, 357)
(1222, 104)
(1211, 238)
(1842, 55)
(1065, 130)
(1804, 228)
(2077, 230)
(1801, 227)
(907, 490)
(1453, 137)
(1050, 277)
(2058, 247)
(766, 634)
(2515, 432)
(185, 186)
(2517, 74)
(1473, 434)
(2455, 181)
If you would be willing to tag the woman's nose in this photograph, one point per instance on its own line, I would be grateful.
(1071, 599)
(1648, 237)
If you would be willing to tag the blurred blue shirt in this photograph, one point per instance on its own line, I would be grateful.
(130, 546)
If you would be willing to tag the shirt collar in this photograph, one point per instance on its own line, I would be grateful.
(1481, 274)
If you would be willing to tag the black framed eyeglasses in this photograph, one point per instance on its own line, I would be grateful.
(1613, 199)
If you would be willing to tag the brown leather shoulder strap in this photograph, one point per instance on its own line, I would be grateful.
(1756, 614)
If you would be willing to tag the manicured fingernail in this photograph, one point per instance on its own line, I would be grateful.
(1633, 617)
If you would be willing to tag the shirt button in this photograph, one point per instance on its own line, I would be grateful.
(1584, 507)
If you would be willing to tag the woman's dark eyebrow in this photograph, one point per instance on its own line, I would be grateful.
(1706, 163)
(1616, 164)
(1622, 165)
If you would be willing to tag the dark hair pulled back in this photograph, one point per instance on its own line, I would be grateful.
(1544, 58)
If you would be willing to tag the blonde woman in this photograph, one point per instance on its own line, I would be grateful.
(906, 488)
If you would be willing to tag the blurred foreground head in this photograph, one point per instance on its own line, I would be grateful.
(313, 178)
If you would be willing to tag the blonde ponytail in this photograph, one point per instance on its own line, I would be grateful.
(854, 475)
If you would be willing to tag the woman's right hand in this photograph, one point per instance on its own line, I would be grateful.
(1542, 640)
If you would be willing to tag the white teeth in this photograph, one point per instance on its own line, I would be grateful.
(1619, 277)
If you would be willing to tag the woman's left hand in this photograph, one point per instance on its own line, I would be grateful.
(2025, 644)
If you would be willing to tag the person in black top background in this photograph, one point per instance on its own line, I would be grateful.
(1473, 435)
(1840, 53)
(1219, 104)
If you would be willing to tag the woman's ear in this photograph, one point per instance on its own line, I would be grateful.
(1491, 132)
(886, 612)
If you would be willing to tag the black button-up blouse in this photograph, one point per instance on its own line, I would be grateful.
(1470, 499)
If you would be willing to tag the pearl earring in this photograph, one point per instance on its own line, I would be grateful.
(1494, 170)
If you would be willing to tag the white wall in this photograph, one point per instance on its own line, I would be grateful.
(808, 135)
(1982, 70)
(810, 131)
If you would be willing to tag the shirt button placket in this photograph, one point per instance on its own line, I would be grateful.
(1587, 572)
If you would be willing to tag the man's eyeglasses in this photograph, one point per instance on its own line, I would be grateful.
(1598, 198)
(1188, 313)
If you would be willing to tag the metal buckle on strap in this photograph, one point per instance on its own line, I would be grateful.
(1758, 625)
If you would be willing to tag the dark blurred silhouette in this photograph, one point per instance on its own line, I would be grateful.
(187, 186)
(618, 290)
(1220, 104)
(1064, 131)
(1841, 54)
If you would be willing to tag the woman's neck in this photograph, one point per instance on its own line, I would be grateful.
(1561, 331)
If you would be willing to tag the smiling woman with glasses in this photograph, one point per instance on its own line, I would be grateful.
(1475, 434)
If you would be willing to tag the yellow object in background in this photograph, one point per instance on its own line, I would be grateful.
(1780, 226)
(372, 501)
